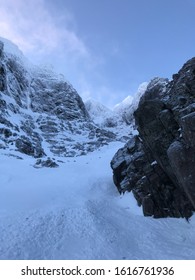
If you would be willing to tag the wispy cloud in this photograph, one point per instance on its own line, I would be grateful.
(32, 27)
(48, 36)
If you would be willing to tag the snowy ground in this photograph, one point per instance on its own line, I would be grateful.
(75, 212)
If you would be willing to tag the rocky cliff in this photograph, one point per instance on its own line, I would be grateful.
(40, 112)
(158, 164)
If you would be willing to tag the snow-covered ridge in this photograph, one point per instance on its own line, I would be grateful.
(130, 103)
(98, 112)
(96, 108)
(12, 51)
(11, 48)
(124, 104)
(121, 114)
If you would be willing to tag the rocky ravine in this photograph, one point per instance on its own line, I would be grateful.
(158, 165)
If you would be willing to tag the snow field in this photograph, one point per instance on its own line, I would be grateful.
(75, 212)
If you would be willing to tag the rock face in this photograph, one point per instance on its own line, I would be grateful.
(158, 165)
(41, 114)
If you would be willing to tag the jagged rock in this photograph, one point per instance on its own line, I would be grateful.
(160, 170)
(56, 97)
(24, 145)
(46, 163)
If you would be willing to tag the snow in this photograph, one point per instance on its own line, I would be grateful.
(98, 112)
(126, 103)
(46, 70)
(141, 90)
(108, 119)
(130, 103)
(75, 212)
(11, 48)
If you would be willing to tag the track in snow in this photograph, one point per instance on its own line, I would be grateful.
(75, 212)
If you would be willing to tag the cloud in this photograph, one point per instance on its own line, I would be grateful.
(34, 28)
(48, 36)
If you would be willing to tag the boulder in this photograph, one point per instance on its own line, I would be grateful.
(46, 163)
(25, 146)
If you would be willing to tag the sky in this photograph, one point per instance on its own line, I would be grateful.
(105, 48)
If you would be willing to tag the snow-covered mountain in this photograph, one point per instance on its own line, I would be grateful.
(41, 113)
(99, 112)
(123, 105)
(73, 211)
(104, 117)
(110, 120)
(127, 107)
(120, 119)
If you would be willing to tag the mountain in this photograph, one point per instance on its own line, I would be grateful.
(75, 211)
(127, 107)
(100, 114)
(120, 119)
(110, 120)
(124, 105)
(158, 164)
(41, 113)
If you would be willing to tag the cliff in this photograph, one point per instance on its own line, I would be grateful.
(158, 164)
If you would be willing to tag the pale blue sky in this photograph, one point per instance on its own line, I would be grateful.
(105, 48)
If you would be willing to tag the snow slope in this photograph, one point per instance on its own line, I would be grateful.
(75, 212)
(97, 111)
(123, 105)
(110, 120)
(130, 103)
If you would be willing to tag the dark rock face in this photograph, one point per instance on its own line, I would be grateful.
(159, 166)
(45, 163)
(25, 146)
(54, 96)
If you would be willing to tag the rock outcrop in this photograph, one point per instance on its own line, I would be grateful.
(158, 165)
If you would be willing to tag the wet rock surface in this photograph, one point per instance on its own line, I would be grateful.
(158, 165)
